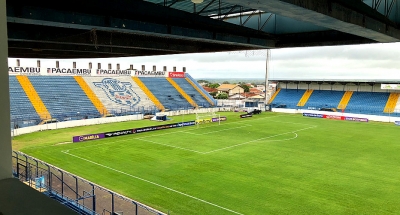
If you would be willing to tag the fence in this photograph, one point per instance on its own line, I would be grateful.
(77, 193)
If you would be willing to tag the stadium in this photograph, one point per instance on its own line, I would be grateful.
(98, 140)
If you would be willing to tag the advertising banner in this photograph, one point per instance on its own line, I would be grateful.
(347, 118)
(176, 74)
(24, 70)
(162, 127)
(87, 137)
(333, 117)
(355, 119)
(118, 133)
(150, 73)
(111, 72)
(246, 115)
(130, 131)
(64, 71)
(390, 86)
(222, 118)
(313, 115)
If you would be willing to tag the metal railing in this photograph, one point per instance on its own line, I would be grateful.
(77, 193)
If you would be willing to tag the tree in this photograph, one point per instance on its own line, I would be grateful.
(222, 96)
(213, 85)
(245, 88)
(213, 94)
(225, 82)
(203, 81)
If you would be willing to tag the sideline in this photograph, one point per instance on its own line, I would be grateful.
(153, 183)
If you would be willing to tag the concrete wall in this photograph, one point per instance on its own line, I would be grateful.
(74, 123)
(96, 121)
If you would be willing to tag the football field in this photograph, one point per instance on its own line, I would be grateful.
(268, 164)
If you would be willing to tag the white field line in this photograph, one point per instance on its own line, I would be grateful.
(153, 183)
(251, 141)
(169, 145)
(219, 130)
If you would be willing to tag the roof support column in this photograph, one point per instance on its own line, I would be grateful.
(5, 133)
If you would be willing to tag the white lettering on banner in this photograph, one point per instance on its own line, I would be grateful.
(113, 72)
(24, 70)
(176, 74)
(63, 71)
(150, 73)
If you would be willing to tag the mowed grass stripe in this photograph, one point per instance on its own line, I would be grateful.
(335, 168)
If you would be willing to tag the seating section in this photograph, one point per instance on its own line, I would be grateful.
(367, 103)
(166, 93)
(324, 99)
(372, 103)
(200, 88)
(21, 107)
(120, 94)
(287, 98)
(193, 93)
(63, 97)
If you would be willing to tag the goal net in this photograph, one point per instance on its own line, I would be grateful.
(207, 117)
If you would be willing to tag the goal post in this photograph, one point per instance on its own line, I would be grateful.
(207, 117)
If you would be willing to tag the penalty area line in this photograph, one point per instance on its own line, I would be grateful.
(153, 183)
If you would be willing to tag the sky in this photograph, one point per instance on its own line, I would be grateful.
(372, 61)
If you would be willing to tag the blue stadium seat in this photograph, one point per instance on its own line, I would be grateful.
(63, 97)
(193, 93)
(288, 98)
(22, 112)
(166, 93)
(324, 99)
(367, 103)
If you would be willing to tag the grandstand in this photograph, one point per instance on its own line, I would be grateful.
(346, 96)
(37, 98)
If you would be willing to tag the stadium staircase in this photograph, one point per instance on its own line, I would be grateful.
(305, 98)
(195, 94)
(345, 100)
(391, 103)
(169, 97)
(324, 99)
(200, 89)
(63, 96)
(148, 93)
(34, 97)
(20, 106)
(91, 95)
(117, 106)
(182, 92)
(274, 96)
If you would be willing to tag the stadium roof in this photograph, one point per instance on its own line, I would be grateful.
(120, 28)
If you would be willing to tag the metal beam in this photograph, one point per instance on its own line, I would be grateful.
(336, 15)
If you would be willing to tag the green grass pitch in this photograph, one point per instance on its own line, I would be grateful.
(268, 164)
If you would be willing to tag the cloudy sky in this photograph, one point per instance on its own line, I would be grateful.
(374, 61)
